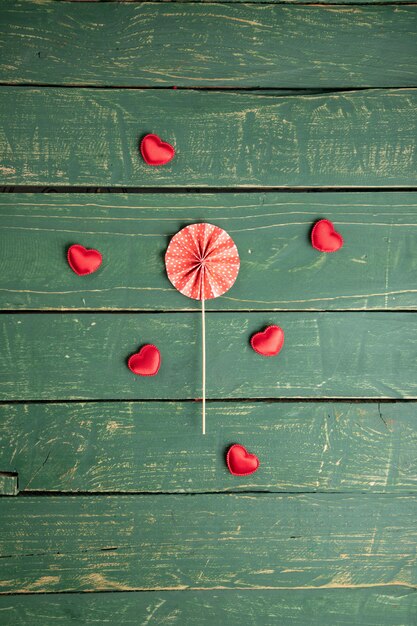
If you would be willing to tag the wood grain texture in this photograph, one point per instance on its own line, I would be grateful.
(90, 137)
(178, 542)
(280, 270)
(212, 45)
(158, 447)
(391, 606)
(326, 355)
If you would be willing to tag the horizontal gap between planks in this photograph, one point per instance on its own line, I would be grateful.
(211, 400)
(196, 311)
(296, 91)
(409, 587)
(195, 190)
(231, 492)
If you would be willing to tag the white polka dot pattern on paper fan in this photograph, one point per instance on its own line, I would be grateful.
(202, 261)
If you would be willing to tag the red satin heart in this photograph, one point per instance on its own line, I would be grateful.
(240, 462)
(83, 261)
(146, 362)
(155, 151)
(269, 342)
(324, 237)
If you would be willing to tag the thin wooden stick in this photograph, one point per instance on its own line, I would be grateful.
(204, 364)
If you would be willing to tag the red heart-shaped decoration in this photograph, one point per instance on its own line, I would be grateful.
(240, 462)
(83, 261)
(146, 362)
(155, 151)
(324, 237)
(269, 342)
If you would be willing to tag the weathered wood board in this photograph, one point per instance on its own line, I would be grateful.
(90, 137)
(326, 355)
(211, 45)
(279, 268)
(158, 446)
(177, 542)
(393, 606)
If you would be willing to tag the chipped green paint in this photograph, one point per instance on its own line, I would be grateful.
(279, 268)
(158, 446)
(211, 45)
(90, 137)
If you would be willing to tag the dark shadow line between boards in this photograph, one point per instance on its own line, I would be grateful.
(181, 189)
(287, 91)
(87, 311)
(227, 492)
(270, 400)
(405, 588)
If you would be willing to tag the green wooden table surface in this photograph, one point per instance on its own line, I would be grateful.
(114, 508)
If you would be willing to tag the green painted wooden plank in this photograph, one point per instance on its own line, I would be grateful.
(391, 606)
(178, 542)
(280, 270)
(158, 446)
(61, 136)
(326, 355)
(207, 44)
(8, 484)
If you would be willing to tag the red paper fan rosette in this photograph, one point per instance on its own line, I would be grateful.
(202, 261)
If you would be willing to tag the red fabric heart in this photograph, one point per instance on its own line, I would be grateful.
(83, 261)
(269, 342)
(146, 362)
(240, 462)
(324, 237)
(155, 151)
